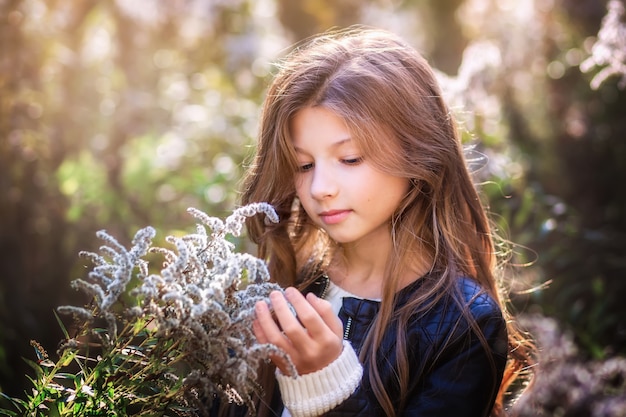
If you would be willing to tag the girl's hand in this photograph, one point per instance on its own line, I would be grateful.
(312, 340)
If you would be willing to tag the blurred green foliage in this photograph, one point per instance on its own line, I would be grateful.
(117, 114)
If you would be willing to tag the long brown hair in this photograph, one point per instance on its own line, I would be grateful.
(389, 97)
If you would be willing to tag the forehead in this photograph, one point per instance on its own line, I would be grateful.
(319, 127)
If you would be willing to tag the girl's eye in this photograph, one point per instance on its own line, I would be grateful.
(305, 167)
(352, 161)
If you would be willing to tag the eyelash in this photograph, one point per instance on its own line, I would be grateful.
(348, 161)
(305, 167)
(352, 161)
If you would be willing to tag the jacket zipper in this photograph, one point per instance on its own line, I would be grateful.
(346, 332)
(326, 285)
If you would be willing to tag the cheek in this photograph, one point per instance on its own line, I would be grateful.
(298, 184)
(301, 186)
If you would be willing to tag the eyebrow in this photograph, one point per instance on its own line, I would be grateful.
(337, 144)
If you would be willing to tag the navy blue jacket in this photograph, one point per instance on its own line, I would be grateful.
(450, 373)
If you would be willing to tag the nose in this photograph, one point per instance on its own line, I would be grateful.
(323, 183)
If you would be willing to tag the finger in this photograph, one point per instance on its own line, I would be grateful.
(258, 332)
(288, 322)
(325, 310)
(267, 327)
(307, 314)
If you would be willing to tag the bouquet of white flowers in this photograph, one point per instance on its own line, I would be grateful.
(164, 343)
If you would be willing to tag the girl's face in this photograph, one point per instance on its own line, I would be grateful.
(340, 190)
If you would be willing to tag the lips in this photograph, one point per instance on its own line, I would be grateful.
(333, 216)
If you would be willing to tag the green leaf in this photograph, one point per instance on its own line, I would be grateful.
(67, 358)
(38, 370)
(61, 325)
(65, 375)
(16, 402)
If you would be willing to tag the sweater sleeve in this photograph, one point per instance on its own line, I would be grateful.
(313, 394)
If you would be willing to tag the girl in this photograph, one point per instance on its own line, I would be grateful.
(383, 231)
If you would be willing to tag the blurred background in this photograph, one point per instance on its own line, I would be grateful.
(118, 114)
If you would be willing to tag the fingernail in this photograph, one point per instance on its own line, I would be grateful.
(312, 298)
(290, 292)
